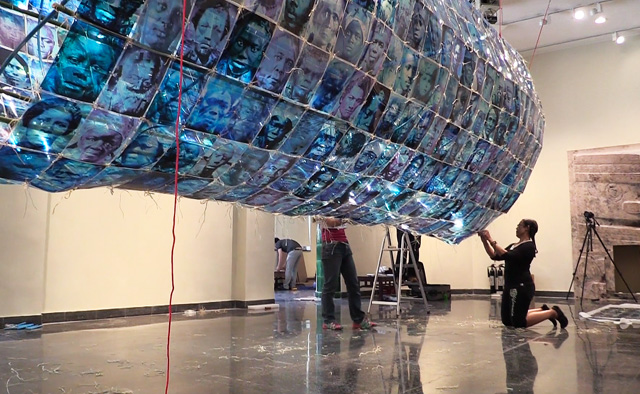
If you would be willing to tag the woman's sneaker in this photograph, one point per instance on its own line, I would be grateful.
(364, 325)
(331, 326)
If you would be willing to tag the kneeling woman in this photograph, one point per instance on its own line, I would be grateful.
(518, 284)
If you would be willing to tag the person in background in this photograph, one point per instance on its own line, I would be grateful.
(289, 256)
(337, 259)
(519, 288)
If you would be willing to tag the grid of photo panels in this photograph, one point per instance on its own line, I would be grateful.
(410, 113)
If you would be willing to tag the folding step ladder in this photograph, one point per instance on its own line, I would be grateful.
(405, 250)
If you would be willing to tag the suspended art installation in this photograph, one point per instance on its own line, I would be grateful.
(409, 113)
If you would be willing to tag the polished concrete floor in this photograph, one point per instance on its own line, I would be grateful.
(460, 347)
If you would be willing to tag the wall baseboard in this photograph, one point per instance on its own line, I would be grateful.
(552, 294)
(59, 317)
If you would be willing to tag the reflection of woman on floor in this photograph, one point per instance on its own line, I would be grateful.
(522, 367)
(518, 283)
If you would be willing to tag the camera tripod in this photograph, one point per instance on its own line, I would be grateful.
(591, 223)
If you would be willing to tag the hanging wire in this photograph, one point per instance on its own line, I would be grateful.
(542, 25)
(175, 194)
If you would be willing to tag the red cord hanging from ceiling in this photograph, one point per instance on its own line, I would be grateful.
(175, 193)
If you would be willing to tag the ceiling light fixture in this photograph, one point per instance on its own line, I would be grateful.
(618, 38)
(597, 12)
(579, 14)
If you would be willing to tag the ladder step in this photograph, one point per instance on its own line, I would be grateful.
(391, 249)
(385, 303)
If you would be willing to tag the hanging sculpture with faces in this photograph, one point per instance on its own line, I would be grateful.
(409, 113)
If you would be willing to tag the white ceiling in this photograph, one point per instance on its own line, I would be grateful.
(521, 23)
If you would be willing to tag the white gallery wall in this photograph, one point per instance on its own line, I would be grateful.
(93, 249)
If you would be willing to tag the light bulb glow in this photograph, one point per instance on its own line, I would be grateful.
(579, 14)
(620, 40)
(600, 20)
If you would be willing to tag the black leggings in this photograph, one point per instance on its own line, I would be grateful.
(515, 304)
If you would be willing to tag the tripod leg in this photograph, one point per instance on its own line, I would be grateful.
(584, 275)
(573, 277)
(615, 266)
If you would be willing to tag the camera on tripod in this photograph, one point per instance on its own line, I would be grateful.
(589, 215)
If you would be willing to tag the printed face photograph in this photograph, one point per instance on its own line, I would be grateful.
(433, 38)
(13, 29)
(353, 96)
(383, 159)
(47, 126)
(281, 56)
(44, 44)
(317, 182)
(23, 166)
(364, 160)
(189, 155)
(223, 155)
(303, 134)
(490, 124)
(347, 150)
(408, 118)
(412, 170)
(324, 143)
(65, 175)
(350, 42)
(392, 62)
(331, 85)
(378, 43)
(82, 67)
(142, 152)
(386, 11)
(210, 24)
(406, 73)
(250, 163)
(248, 115)
(337, 187)
(296, 15)
(426, 81)
(135, 79)
(274, 168)
(418, 26)
(325, 21)
(402, 17)
(391, 117)
(264, 197)
(395, 167)
(373, 108)
(460, 104)
(214, 109)
(16, 75)
(306, 75)
(116, 15)
(97, 144)
(160, 24)
(247, 44)
(164, 108)
(274, 132)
